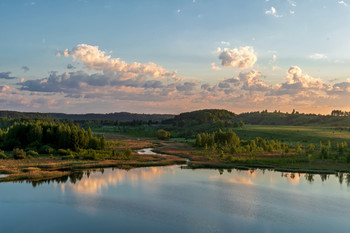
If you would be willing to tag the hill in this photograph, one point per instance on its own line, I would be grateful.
(201, 117)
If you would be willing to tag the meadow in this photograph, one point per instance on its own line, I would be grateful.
(294, 134)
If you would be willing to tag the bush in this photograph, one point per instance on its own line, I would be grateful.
(46, 149)
(3, 155)
(68, 157)
(18, 153)
(32, 153)
(63, 152)
(163, 134)
(128, 152)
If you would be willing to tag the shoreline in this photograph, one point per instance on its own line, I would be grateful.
(44, 168)
(57, 170)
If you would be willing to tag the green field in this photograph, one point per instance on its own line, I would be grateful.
(294, 134)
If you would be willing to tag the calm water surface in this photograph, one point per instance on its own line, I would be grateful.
(171, 199)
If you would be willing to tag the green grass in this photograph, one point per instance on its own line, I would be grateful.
(134, 131)
(294, 134)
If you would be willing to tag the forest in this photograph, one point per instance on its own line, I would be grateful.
(36, 137)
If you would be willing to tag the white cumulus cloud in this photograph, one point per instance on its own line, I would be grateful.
(95, 59)
(243, 58)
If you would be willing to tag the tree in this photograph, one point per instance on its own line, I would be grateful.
(103, 142)
(298, 149)
(128, 152)
(199, 140)
(310, 148)
(241, 124)
(163, 134)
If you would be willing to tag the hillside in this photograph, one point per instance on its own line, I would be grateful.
(201, 117)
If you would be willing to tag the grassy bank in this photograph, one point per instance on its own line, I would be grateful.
(46, 166)
(42, 168)
(49, 167)
(200, 158)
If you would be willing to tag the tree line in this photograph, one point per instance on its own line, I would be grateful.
(340, 113)
(40, 133)
(229, 142)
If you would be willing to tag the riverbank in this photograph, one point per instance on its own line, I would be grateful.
(286, 163)
(41, 168)
(45, 167)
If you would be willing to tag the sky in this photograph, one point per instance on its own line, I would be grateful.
(156, 56)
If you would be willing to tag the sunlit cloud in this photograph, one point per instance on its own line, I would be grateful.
(242, 58)
(342, 88)
(110, 82)
(214, 67)
(95, 59)
(297, 82)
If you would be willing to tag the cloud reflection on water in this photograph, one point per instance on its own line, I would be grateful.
(96, 182)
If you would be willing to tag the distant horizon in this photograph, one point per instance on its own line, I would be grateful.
(104, 113)
(171, 57)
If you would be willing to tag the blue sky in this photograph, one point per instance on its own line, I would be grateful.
(237, 55)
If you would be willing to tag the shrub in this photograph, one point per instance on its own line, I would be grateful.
(68, 156)
(63, 152)
(46, 149)
(32, 153)
(18, 153)
(128, 152)
(3, 155)
(163, 134)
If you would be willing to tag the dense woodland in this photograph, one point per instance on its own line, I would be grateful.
(36, 134)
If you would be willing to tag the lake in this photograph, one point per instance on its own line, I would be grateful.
(172, 199)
